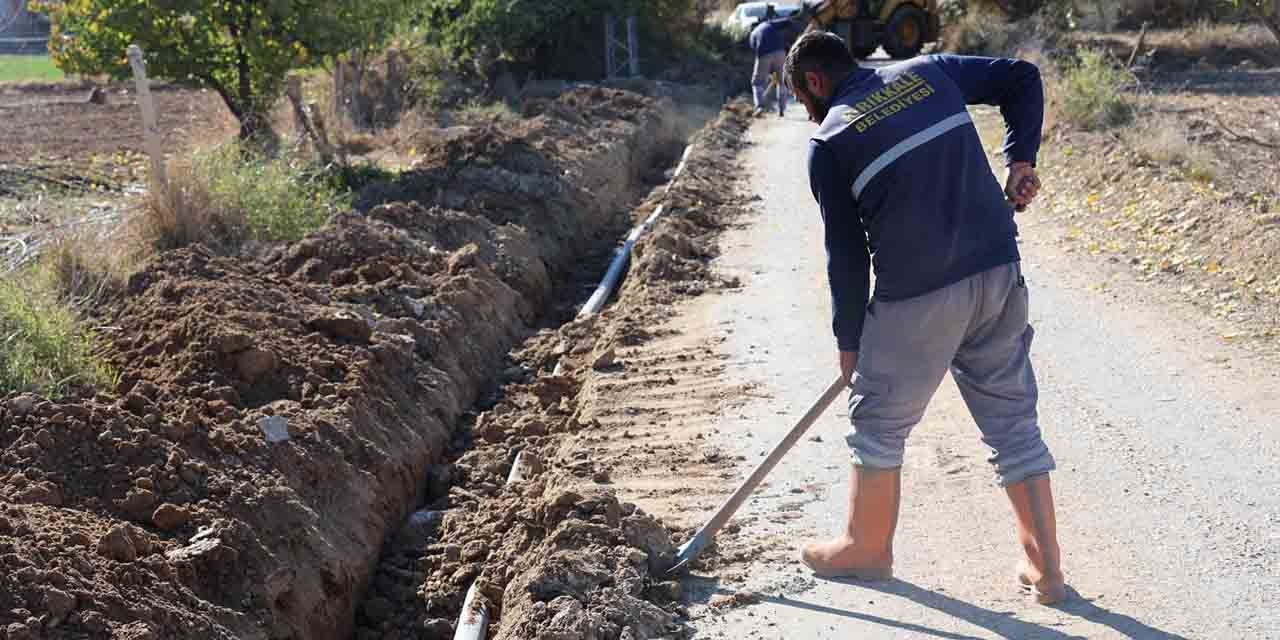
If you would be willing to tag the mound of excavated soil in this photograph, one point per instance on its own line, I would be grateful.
(275, 419)
(674, 259)
(562, 169)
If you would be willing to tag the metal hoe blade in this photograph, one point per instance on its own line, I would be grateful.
(690, 550)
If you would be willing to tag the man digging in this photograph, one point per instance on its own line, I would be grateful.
(903, 183)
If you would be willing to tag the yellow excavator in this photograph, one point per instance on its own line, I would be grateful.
(902, 27)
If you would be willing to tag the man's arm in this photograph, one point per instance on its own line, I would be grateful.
(1012, 85)
(848, 261)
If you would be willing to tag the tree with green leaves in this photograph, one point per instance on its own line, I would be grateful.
(241, 49)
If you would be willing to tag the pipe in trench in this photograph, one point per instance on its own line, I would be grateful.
(473, 622)
(614, 273)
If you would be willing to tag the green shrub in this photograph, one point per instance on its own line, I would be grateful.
(551, 38)
(480, 112)
(430, 71)
(1091, 93)
(43, 349)
(278, 199)
(227, 196)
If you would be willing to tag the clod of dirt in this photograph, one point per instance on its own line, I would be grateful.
(232, 342)
(604, 358)
(255, 364)
(60, 604)
(19, 631)
(139, 503)
(22, 405)
(123, 543)
(46, 493)
(342, 324)
(737, 599)
(168, 517)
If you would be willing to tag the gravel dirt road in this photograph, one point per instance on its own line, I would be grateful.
(1166, 435)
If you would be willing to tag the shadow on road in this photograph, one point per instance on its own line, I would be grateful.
(1001, 623)
(1081, 607)
(1005, 625)
(866, 617)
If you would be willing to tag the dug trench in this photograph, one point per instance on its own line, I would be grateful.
(557, 555)
(277, 420)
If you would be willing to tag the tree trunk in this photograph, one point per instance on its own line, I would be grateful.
(255, 125)
(356, 111)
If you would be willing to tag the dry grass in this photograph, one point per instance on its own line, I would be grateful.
(223, 199)
(1205, 37)
(1163, 141)
(186, 213)
(1200, 44)
(981, 32)
(87, 268)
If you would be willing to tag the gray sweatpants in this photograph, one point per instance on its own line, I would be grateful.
(765, 67)
(978, 329)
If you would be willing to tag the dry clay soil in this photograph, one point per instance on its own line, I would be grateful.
(174, 506)
(53, 136)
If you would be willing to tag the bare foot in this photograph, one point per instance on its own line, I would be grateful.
(842, 558)
(1045, 589)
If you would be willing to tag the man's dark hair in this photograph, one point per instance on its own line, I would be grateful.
(819, 52)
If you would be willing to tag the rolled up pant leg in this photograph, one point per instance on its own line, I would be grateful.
(993, 370)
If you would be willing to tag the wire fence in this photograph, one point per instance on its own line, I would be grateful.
(10, 11)
(20, 30)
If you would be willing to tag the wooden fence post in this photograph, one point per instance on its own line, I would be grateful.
(294, 91)
(150, 129)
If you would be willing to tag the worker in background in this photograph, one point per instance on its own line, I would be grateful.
(903, 182)
(769, 44)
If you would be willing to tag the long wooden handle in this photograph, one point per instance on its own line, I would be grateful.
(731, 505)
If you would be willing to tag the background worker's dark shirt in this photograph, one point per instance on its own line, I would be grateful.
(769, 36)
(903, 182)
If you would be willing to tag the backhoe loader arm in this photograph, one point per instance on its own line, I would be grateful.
(826, 13)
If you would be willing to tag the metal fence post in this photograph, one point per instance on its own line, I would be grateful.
(633, 46)
(608, 45)
(614, 48)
